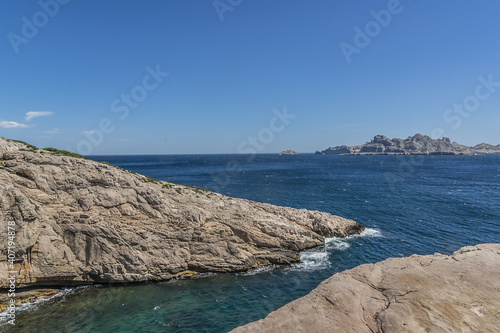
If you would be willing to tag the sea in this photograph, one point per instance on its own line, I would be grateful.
(409, 205)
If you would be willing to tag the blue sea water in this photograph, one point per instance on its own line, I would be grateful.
(410, 204)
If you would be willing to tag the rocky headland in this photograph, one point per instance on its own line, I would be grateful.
(434, 293)
(79, 221)
(413, 145)
(484, 148)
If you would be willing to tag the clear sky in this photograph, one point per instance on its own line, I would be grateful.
(228, 76)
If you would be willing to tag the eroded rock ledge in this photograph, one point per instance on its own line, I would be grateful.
(436, 293)
(80, 221)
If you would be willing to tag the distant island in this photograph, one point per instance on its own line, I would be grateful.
(289, 152)
(414, 145)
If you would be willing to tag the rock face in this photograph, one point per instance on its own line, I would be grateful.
(78, 221)
(414, 145)
(484, 148)
(289, 152)
(437, 293)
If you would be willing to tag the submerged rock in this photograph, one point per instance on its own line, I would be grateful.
(435, 293)
(80, 222)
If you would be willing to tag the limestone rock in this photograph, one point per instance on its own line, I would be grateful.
(413, 145)
(78, 221)
(289, 152)
(484, 148)
(435, 293)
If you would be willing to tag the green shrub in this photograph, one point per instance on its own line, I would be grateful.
(62, 152)
(148, 179)
(24, 143)
(196, 189)
(114, 166)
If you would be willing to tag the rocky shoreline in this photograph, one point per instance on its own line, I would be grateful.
(434, 293)
(84, 222)
(81, 222)
(28, 296)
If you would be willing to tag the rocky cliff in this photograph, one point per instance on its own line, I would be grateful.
(436, 293)
(484, 148)
(78, 221)
(413, 145)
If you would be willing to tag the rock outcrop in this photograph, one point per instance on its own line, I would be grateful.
(78, 221)
(435, 293)
(484, 148)
(413, 145)
(289, 152)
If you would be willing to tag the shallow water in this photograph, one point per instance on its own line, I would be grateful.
(409, 204)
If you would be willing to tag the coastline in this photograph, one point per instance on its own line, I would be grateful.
(332, 254)
(28, 296)
(98, 223)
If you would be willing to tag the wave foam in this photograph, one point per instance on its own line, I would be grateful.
(4, 316)
(312, 260)
(336, 243)
(258, 270)
(316, 259)
(58, 297)
(368, 232)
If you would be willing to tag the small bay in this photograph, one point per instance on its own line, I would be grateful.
(409, 204)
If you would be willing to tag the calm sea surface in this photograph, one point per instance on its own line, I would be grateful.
(422, 204)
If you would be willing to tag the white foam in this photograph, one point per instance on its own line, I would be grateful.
(258, 270)
(340, 244)
(4, 316)
(336, 243)
(312, 260)
(317, 258)
(368, 232)
(60, 296)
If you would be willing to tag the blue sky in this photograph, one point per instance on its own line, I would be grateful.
(173, 77)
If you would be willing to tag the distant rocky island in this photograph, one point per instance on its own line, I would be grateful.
(289, 152)
(413, 145)
(83, 222)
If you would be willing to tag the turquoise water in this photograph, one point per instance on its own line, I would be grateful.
(420, 205)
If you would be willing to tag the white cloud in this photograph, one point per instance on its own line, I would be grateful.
(33, 114)
(87, 132)
(13, 124)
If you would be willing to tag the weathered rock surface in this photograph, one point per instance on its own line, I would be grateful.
(289, 152)
(484, 148)
(436, 293)
(78, 221)
(414, 145)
